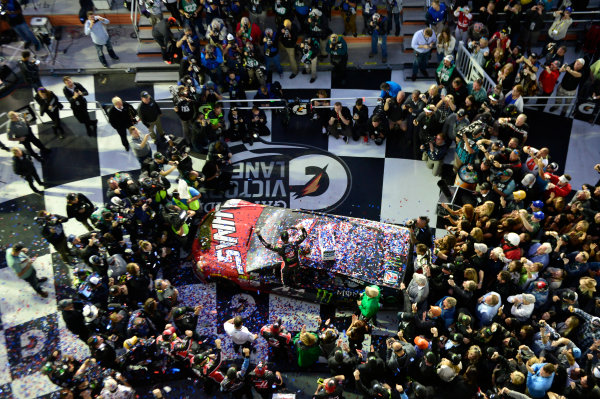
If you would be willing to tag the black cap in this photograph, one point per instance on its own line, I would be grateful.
(461, 112)
(144, 94)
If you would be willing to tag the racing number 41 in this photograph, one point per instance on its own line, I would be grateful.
(231, 256)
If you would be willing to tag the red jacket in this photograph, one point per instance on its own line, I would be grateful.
(255, 34)
(561, 191)
(548, 80)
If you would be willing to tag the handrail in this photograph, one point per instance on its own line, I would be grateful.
(470, 69)
(337, 99)
(134, 16)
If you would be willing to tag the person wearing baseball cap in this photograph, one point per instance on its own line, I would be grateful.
(560, 25)
(531, 222)
(537, 205)
(568, 86)
(150, 114)
(446, 71)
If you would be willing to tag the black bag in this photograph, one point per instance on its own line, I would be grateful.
(173, 54)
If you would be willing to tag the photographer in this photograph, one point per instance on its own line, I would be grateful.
(238, 129)
(348, 8)
(201, 134)
(534, 23)
(427, 125)
(212, 58)
(30, 69)
(271, 51)
(318, 29)
(254, 68)
(95, 27)
(288, 39)
(258, 122)
(236, 86)
(340, 122)
(360, 119)
(80, 208)
(310, 51)
(338, 52)
(189, 44)
(434, 153)
(185, 108)
(54, 232)
(378, 128)
(378, 28)
(191, 11)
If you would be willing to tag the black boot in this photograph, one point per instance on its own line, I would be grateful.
(113, 55)
(103, 61)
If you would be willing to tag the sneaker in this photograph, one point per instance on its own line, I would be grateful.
(292, 76)
(324, 131)
(105, 65)
(366, 140)
(312, 80)
(114, 57)
(43, 294)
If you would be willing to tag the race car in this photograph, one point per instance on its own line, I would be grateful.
(338, 258)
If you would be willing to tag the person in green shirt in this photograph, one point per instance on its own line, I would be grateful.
(307, 347)
(22, 264)
(369, 303)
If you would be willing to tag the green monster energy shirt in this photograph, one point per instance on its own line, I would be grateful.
(369, 306)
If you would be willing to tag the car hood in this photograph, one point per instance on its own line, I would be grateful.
(370, 252)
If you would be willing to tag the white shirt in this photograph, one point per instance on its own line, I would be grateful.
(240, 336)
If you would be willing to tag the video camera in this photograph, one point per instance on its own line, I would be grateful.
(47, 220)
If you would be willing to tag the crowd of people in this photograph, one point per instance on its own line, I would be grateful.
(504, 305)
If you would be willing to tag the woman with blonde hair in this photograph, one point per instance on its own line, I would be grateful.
(586, 294)
(476, 234)
(467, 212)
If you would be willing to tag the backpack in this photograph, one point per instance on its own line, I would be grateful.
(174, 54)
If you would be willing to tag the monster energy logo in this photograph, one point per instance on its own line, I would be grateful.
(325, 293)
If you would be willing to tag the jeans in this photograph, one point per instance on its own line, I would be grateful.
(420, 62)
(374, 39)
(100, 53)
(273, 62)
(27, 35)
(155, 128)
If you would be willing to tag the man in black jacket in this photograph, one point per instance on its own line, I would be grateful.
(121, 116)
(23, 166)
(54, 232)
(29, 69)
(72, 313)
(81, 208)
(75, 93)
(150, 114)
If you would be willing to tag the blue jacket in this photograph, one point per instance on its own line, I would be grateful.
(433, 17)
(394, 89)
(536, 384)
(447, 314)
(213, 64)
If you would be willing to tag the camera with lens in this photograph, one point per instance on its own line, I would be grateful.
(47, 220)
(411, 223)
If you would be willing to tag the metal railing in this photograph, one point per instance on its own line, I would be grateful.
(134, 15)
(339, 99)
(470, 70)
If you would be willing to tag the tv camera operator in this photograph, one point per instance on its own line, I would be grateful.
(338, 52)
